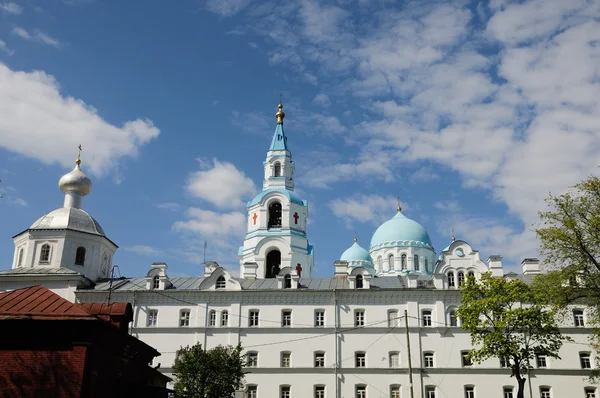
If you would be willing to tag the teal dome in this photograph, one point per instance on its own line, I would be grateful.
(356, 254)
(400, 228)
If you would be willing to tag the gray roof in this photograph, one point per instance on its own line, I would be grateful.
(39, 271)
(193, 283)
(69, 218)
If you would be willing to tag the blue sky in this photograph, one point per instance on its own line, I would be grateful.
(471, 111)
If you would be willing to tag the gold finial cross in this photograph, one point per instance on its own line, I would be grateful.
(453, 238)
(79, 154)
(355, 238)
(399, 208)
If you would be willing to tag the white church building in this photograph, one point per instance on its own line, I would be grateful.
(344, 336)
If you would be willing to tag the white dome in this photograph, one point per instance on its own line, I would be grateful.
(69, 218)
(75, 181)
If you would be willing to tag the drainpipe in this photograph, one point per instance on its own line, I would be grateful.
(335, 311)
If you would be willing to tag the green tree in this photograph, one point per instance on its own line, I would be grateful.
(569, 233)
(506, 322)
(215, 373)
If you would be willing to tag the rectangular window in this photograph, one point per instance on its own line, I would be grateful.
(361, 391)
(578, 318)
(286, 359)
(452, 316)
(504, 362)
(319, 391)
(184, 318)
(253, 318)
(465, 359)
(427, 318)
(319, 359)
(428, 359)
(152, 318)
(508, 392)
(251, 392)
(429, 392)
(361, 359)
(359, 318)
(394, 360)
(469, 392)
(393, 319)
(212, 318)
(224, 318)
(319, 318)
(286, 318)
(544, 392)
(285, 392)
(395, 392)
(585, 360)
(252, 360)
(590, 392)
(541, 360)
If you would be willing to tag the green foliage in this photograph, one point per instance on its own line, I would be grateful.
(507, 321)
(215, 373)
(569, 235)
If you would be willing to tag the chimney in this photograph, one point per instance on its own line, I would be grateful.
(495, 265)
(530, 266)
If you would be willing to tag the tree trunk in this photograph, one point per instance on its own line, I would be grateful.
(521, 386)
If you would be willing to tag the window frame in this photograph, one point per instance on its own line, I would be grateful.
(286, 356)
(319, 318)
(252, 359)
(545, 392)
(469, 391)
(152, 318)
(359, 317)
(184, 321)
(539, 359)
(319, 391)
(391, 262)
(221, 283)
(426, 318)
(451, 280)
(155, 282)
(416, 265)
(45, 253)
(359, 282)
(277, 169)
(393, 318)
(464, 360)
(285, 391)
(430, 391)
(360, 359)
(452, 318)
(212, 318)
(394, 356)
(253, 318)
(578, 318)
(224, 318)
(585, 356)
(319, 359)
(428, 359)
(20, 257)
(395, 391)
(508, 392)
(590, 392)
(360, 391)
(460, 278)
(252, 391)
(286, 318)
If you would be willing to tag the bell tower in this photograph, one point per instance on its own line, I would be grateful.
(276, 230)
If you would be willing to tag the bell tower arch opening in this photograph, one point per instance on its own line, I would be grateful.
(274, 215)
(273, 263)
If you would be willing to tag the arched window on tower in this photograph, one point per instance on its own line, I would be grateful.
(461, 278)
(275, 215)
(416, 263)
(80, 256)
(20, 260)
(155, 282)
(221, 283)
(273, 263)
(426, 265)
(45, 253)
(451, 279)
(379, 263)
(391, 262)
(277, 170)
(403, 261)
(287, 281)
(359, 281)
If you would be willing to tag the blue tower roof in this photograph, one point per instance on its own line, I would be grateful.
(400, 228)
(356, 253)
(279, 142)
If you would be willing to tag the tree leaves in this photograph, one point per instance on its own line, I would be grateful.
(215, 373)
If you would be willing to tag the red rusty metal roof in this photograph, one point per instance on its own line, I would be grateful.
(40, 303)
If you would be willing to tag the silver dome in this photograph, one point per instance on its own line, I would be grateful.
(69, 218)
(75, 181)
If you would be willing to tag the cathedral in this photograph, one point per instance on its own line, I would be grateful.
(382, 325)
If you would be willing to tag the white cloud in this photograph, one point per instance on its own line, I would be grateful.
(322, 99)
(36, 120)
(4, 48)
(448, 205)
(364, 208)
(210, 223)
(11, 8)
(143, 250)
(226, 8)
(221, 184)
(37, 36)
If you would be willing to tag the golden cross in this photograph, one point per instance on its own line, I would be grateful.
(399, 207)
(79, 154)
(453, 235)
